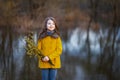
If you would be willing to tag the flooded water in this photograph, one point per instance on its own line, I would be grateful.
(101, 63)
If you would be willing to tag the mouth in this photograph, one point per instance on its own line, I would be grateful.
(51, 27)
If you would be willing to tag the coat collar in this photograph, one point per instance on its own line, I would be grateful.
(53, 35)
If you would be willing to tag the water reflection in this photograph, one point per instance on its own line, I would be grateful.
(16, 65)
(77, 42)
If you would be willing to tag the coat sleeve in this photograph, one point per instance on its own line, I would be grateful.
(58, 50)
(39, 44)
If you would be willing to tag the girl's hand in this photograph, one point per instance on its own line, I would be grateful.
(46, 58)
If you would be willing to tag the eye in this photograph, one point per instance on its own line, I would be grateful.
(48, 23)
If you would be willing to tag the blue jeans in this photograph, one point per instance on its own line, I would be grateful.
(49, 74)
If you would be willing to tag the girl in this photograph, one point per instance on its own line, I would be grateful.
(49, 43)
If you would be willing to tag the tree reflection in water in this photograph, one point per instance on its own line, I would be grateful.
(104, 65)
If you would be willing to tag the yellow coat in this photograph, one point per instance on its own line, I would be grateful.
(51, 47)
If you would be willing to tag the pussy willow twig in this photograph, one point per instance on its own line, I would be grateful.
(31, 49)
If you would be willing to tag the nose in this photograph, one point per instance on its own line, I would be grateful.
(51, 25)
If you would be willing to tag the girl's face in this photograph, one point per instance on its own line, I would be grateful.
(50, 25)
